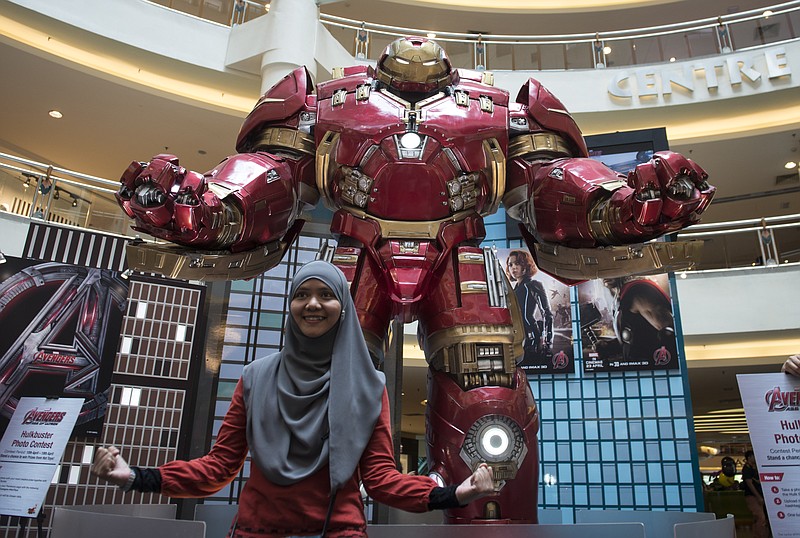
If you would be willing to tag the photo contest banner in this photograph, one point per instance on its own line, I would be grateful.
(544, 305)
(60, 330)
(30, 450)
(772, 408)
(627, 324)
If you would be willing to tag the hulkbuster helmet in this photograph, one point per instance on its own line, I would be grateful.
(414, 64)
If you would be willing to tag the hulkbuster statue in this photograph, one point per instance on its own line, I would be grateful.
(410, 156)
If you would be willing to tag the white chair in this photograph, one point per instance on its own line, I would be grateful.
(162, 511)
(217, 517)
(657, 524)
(551, 516)
(718, 528)
(68, 523)
(595, 530)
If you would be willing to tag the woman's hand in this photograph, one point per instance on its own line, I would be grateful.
(110, 466)
(477, 485)
(792, 365)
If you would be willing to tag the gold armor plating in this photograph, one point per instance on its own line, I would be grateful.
(477, 355)
(617, 261)
(533, 144)
(406, 62)
(282, 138)
(176, 262)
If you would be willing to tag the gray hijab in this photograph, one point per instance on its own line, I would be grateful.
(316, 401)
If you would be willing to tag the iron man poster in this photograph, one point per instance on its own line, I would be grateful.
(60, 325)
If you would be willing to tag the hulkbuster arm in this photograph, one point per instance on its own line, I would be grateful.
(565, 199)
(249, 201)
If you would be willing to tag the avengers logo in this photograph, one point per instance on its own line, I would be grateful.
(37, 417)
(662, 356)
(560, 360)
(54, 358)
(777, 400)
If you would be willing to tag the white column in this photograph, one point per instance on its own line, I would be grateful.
(291, 39)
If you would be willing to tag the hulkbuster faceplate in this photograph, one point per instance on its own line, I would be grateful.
(411, 157)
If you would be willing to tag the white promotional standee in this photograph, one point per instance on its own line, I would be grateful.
(772, 406)
(30, 450)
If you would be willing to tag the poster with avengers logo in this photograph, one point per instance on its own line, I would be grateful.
(627, 324)
(544, 305)
(772, 407)
(61, 324)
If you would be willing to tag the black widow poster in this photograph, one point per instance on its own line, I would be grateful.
(544, 305)
(627, 324)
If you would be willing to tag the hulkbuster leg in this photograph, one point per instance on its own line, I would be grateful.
(480, 406)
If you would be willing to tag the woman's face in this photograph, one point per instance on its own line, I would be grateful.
(315, 308)
(516, 269)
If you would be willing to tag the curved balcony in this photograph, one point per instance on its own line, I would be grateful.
(722, 34)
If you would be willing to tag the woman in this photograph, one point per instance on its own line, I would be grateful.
(532, 300)
(315, 418)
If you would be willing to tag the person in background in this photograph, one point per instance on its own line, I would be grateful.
(315, 418)
(792, 365)
(753, 495)
(725, 480)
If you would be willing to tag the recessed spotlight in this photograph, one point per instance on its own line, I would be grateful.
(56, 114)
(790, 165)
(672, 59)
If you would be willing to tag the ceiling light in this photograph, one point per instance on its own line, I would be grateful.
(74, 202)
(126, 274)
(767, 14)
(606, 50)
(672, 59)
(56, 114)
(790, 165)
(431, 35)
(57, 194)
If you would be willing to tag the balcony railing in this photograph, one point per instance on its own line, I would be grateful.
(40, 191)
(637, 46)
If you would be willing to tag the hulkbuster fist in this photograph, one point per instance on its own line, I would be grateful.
(169, 202)
(663, 195)
(172, 203)
(660, 196)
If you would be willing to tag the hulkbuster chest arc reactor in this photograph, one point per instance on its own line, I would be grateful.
(410, 156)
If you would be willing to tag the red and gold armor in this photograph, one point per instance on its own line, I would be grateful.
(411, 156)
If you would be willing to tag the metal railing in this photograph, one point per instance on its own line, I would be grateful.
(767, 241)
(655, 44)
(637, 46)
(40, 191)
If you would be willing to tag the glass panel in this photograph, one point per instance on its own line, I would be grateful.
(579, 56)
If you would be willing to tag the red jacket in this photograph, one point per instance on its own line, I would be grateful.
(266, 509)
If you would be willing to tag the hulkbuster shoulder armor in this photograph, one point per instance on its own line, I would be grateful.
(411, 156)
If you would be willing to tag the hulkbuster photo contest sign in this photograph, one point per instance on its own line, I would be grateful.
(772, 407)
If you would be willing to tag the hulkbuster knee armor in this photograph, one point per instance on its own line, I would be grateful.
(411, 156)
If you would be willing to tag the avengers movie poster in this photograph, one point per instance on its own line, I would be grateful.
(627, 324)
(545, 308)
(61, 324)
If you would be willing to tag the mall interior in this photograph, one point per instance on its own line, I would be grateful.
(92, 85)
